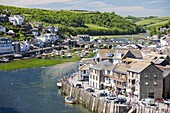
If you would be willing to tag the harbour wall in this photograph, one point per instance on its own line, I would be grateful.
(95, 104)
(99, 105)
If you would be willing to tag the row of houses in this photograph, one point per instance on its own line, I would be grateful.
(34, 30)
(128, 70)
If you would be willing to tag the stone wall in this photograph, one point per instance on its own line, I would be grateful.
(95, 104)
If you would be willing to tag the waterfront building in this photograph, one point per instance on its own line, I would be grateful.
(166, 81)
(145, 80)
(25, 46)
(5, 45)
(84, 72)
(96, 77)
(17, 47)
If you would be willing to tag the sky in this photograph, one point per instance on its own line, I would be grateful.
(140, 8)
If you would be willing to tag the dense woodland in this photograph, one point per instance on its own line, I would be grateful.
(78, 22)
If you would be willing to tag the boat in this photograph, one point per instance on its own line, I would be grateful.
(17, 55)
(69, 100)
(59, 84)
(4, 60)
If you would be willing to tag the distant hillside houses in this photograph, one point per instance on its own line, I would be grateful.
(2, 29)
(48, 37)
(16, 19)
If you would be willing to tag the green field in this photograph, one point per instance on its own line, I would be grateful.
(157, 21)
(95, 26)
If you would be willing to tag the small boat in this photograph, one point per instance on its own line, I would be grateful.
(69, 100)
(59, 84)
(17, 55)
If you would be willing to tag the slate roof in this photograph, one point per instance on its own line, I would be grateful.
(139, 67)
(137, 53)
(102, 65)
(84, 67)
(121, 68)
(165, 69)
(102, 52)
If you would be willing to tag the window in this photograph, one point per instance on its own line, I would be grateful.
(155, 83)
(146, 76)
(133, 81)
(146, 83)
(96, 77)
(155, 76)
(84, 71)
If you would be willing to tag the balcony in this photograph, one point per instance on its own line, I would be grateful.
(121, 79)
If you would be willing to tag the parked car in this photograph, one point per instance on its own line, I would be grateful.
(111, 97)
(79, 86)
(148, 101)
(167, 101)
(120, 100)
(159, 100)
(103, 94)
(90, 90)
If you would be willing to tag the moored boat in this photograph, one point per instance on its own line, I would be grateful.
(59, 84)
(69, 100)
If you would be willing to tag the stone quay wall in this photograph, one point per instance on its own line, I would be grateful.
(95, 104)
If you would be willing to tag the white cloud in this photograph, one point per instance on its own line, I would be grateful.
(156, 1)
(93, 5)
(29, 2)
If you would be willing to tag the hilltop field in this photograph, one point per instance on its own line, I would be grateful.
(153, 22)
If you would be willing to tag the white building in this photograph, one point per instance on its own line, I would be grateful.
(96, 77)
(165, 41)
(2, 29)
(47, 37)
(84, 72)
(25, 46)
(5, 45)
(35, 32)
(16, 19)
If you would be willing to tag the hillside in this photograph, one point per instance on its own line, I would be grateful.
(78, 22)
(153, 22)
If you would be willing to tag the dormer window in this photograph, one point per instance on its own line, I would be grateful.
(109, 54)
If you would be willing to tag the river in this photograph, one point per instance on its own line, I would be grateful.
(34, 90)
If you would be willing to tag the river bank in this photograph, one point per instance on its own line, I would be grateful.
(35, 63)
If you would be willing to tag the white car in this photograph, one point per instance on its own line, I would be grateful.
(167, 101)
(148, 101)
